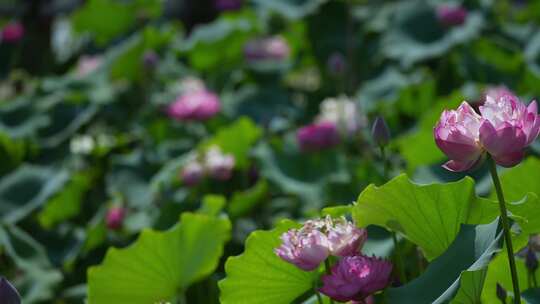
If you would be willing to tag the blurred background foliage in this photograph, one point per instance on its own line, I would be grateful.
(76, 140)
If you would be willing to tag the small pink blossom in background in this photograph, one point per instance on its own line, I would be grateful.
(318, 136)
(115, 218)
(457, 135)
(219, 165)
(508, 127)
(354, 278)
(273, 48)
(195, 105)
(451, 15)
(150, 59)
(505, 127)
(305, 248)
(88, 64)
(192, 173)
(343, 113)
(227, 5)
(13, 32)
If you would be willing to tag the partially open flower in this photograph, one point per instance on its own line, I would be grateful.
(508, 127)
(354, 278)
(273, 48)
(306, 248)
(318, 136)
(195, 105)
(13, 32)
(451, 15)
(457, 135)
(219, 165)
(8, 293)
(345, 238)
(115, 218)
(192, 173)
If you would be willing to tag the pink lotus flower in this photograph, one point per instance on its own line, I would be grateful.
(115, 218)
(505, 127)
(306, 248)
(508, 127)
(450, 15)
(345, 239)
(195, 105)
(219, 165)
(88, 64)
(354, 278)
(318, 136)
(457, 135)
(13, 32)
(271, 48)
(192, 173)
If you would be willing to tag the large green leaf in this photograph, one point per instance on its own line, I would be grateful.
(520, 180)
(532, 295)
(259, 276)
(237, 139)
(428, 215)
(159, 265)
(463, 264)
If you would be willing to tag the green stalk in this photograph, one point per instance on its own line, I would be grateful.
(328, 272)
(506, 229)
(397, 251)
(319, 298)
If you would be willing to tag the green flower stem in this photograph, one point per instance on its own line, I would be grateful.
(328, 272)
(397, 251)
(506, 229)
(319, 298)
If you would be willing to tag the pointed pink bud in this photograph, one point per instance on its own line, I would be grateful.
(318, 136)
(115, 218)
(380, 131)
(13, 32)
(450, 15)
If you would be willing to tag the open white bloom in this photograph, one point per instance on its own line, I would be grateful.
(342, 112)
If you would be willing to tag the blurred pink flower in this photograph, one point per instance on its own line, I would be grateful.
(451, 15)
(195, 105)
(508, 127)
(192, 173)
(354, 278)
(228, 5)
(271, 48)
(306, 248)
(219, 165)
(115, 218)
(88, 64)
(318, 136)
(13, 32)
(457, 135)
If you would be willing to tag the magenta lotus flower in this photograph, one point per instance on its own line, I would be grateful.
(306, 248)
(192, 173)
(354, 278)
(457, 135)
(451, 15)
(318, 136)
(345, 239)
(219, 165)
(115, 218)
(271, 48)
(195, 105)
(13, 32)
(508, 127)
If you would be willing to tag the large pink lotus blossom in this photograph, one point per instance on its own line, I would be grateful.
(508, 127)
(354, 278)
(195, 105)
(451, 15)
(13, 32)
(505, 127)
(318, 136)
(457, 135)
